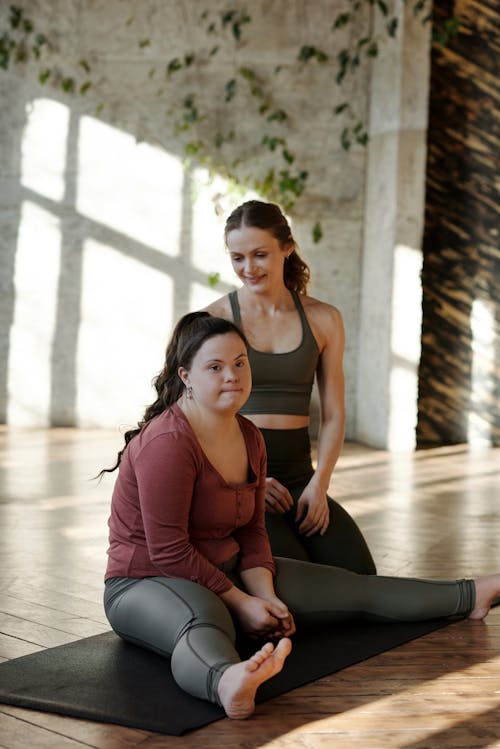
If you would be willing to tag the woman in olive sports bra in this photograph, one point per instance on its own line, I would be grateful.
(293, 338)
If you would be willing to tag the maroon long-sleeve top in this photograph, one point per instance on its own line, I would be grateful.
(173, 514)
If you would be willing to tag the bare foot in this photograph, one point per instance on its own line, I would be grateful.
(238, 683)
(487, 588)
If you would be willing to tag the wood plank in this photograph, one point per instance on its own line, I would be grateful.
(432, 514)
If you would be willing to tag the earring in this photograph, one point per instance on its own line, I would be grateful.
(189, 391)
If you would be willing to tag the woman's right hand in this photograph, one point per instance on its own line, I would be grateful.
(278, 498)
(261, 618)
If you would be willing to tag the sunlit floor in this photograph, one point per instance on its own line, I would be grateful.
(435, 513)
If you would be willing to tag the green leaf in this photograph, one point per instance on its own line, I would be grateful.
(144, 43)
(373, 50)
(392, 27)
(188, 60)
(15, 17)
(213, 279)
(341, 107)
(272, 142)
(289, 158)
(194, 148)
(214, 50)
(361, 43)
(345, 140)
(27, 26)
(230, 89)
(306, 53)
(256, 91)
(85, 87)
(68, 85)
(383, 7)
(341, 20)
(84, 64)
(247, 73)
(173, 66)
(317, 232)
(227, 17)
(43, 76)
(278, 116)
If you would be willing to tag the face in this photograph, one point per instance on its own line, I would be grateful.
(257, 258)
(219, 375)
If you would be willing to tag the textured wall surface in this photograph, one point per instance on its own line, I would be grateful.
(106, 239)
(459, 390)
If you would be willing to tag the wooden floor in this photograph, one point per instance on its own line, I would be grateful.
(435, 513)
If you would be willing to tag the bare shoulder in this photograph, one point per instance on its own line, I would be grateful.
(220, 308)
(325, 320)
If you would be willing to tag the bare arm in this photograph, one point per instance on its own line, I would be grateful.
(332, 401)
(312, 510)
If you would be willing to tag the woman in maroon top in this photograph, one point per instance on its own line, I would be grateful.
(189, 556)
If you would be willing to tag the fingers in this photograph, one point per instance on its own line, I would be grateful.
(312, 520)
(278, 498)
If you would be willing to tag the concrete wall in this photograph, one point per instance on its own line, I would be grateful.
(106, 240)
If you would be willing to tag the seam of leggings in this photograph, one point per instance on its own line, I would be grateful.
(214, 672)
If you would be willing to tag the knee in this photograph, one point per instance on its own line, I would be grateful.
(209, 610)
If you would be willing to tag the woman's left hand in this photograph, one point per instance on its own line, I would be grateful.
(313, 514)
(286, 625)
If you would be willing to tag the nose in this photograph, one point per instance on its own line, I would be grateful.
(249, 266)
(231, 374)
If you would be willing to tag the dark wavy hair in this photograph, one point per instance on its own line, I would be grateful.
(188, 336)
(255, 213)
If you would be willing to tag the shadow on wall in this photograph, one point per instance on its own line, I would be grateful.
(104, 249)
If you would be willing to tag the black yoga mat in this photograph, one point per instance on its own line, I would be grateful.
(102, 678)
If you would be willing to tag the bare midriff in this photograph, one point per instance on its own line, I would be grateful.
(278, 421)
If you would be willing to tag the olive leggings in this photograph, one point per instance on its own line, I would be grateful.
(184, 620)
(343, 544)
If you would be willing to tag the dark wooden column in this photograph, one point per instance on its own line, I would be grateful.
(459, 382)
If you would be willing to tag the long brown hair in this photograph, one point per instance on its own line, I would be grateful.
(255, 213)
(188, 336)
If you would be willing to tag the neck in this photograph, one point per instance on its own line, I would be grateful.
(204, 421)
(270, 301)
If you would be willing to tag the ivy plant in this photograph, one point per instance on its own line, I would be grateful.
(205, 142)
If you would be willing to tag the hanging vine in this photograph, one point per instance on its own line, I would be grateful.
(279, 176)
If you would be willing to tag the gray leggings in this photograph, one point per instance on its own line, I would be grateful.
(184, 620)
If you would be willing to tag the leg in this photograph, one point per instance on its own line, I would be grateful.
(283, 536)
(319, 593)
(185, 620)
(343, 545)
(176, 618)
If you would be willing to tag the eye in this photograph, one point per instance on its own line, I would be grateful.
(261, 254)
(236, 258)
(215, 367)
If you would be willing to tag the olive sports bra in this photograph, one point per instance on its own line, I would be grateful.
(282, 383)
